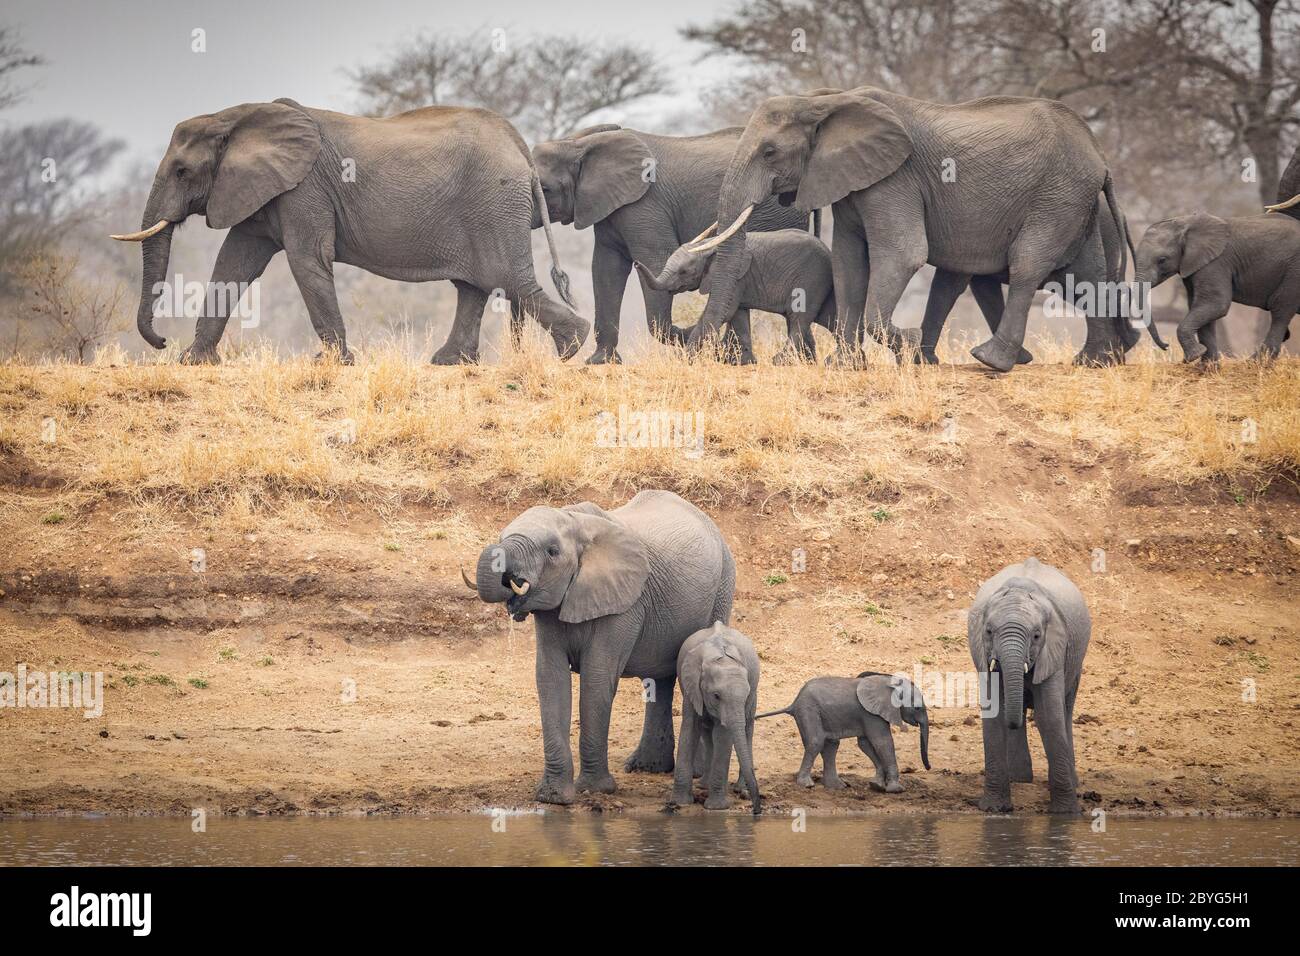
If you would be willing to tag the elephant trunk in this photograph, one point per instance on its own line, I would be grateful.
(155, 238)
(924, 721)
(1012, 645)
(746, 758)
(495, 562)
(657, 282)
(743, 188)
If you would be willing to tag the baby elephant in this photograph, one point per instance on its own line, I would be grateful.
(1253, 260)
(788, 273)
(828, 709)
(717, 669)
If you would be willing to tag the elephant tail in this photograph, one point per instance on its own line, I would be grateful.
(773, 713)
(1125, 247)
(817, 223)
(558, 275)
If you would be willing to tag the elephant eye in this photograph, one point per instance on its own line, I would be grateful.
(553, 551)
(181, 172)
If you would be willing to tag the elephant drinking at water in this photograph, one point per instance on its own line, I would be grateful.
(436, 193)
(612, 594)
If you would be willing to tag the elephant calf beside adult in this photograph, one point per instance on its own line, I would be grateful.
(645, 195)
(435, 193)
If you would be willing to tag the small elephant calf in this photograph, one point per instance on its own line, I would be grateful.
(717, 668)
(788, 273)
(828, 709)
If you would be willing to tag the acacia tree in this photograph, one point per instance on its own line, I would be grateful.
(547, 86)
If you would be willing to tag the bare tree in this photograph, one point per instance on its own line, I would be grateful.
(13, 58)
(66, 312)
(547, 86)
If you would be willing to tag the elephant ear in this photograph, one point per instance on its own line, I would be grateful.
(858, 142)
(270, 148)
(881, 695)
(745, 259)
(612, 567)
(1056, 638)
(612, 173)
(1205, 237)
(977, 637)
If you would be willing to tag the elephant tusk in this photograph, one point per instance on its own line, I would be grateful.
(143, 234)
(1278, 207)
(993, 662)
(1026, 667)
(465, 577)
(704, 235)
(724, 236)
(521, 591)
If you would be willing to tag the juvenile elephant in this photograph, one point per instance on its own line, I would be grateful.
(828, 709)
(436, 193)
(645, 195)
(1254, 260)
(789, 274)
(717, 668)
(1030, 626)
(612, 594)
(999, 183)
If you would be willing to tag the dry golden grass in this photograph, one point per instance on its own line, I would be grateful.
(261, 435)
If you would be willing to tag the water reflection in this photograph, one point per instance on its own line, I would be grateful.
(566, 839)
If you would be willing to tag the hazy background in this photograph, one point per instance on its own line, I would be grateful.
(1182, 95)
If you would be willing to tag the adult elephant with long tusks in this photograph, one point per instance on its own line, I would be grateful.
(436, 193)
(1028, 631)
(612, 594)
(644, 195)
(1288, 189)
(976, 188)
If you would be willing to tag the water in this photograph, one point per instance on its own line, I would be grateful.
(652, 839)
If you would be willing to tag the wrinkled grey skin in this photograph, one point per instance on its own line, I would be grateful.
(439, 193)
(612, 594)
(829, 709)
(717, 668)
(600, 177)
(1030, 625)
(1027, 173)
(789, 274)
(1288, 188)
(1254, 260)
(1099, 347)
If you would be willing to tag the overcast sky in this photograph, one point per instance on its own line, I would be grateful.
(127, 64)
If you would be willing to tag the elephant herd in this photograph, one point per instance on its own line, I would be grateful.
(645, 590)
(999, 191)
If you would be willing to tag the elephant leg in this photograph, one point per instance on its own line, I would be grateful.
(813, 741)
(721, 762)
(987, 291)
(462, 342)
(1049, 715)
(687, 746)
(882, 742)
(1030, 265)
(737, 341)
(830, 776)
(703, 755)
(997, 783)
(878, 781)
(659, 315)
(945, 289)
(850, 269)
(740, 786)
(314, 272)
(567, 329)
(895, 255)
(654, 754)
(516, 322)
(242, 259)
(609, 272)
(1208, 335)
(1205, 311)
(1020, 766)
(1281, 317)
(596, 687)
(555, 694)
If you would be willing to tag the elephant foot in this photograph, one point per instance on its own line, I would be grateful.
(852, 358)
(645, 760)
(834, 783)
(893, 787)
(1096, 358)
(804, 780)
(1067, 805)
(605, 355)
(454, 355)
(595, 783)
(329, 356)
(681, 798)
(554, 791)
(569, 337)
(718, 801)
(990, 803)
(1264, 355)
(924, 356)
(196, 355)
(997, 354)
(1025, 357)
(1192, 349)
(789, 356)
